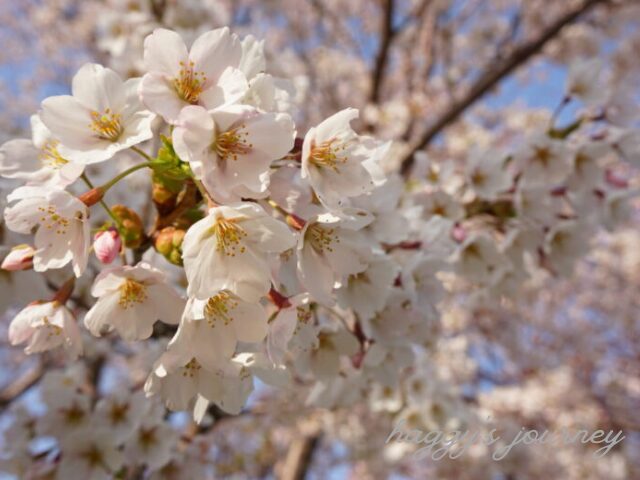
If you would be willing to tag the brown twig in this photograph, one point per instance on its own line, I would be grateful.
(21, 384)
(493, 76)
(299, 457)
(386, 37)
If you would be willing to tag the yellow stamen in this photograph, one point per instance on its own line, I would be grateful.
(229, 236)
(132, 292)
(107, 125)
(52, 220)
(191, 369)
(189, 84)
(218, 308)
(50, 157)
(321, 238)
(232, 143)
(327, 155)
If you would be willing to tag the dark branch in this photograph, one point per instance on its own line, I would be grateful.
(493, 76)
(386, 36)
(21, 384)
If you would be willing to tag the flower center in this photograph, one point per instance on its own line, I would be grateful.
(147, 437)
(52, 220)
(327, 155)
(232, 143)
(478, 178)
(218, 308)
(543, 155)
(118, 413)
(189, 84)
(191, 369)
(132, 292)
(74, 415)
(93, 456)
(107, 125)
(321, 238)
(229, 236)
(50, 157)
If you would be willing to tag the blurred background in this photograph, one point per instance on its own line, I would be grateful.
(439, 78)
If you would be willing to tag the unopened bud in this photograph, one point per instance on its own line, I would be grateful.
(132, 229)
(19, 258)
(107, 245)
(163, 198)
(295, 221)
(458, 233)
(92, 197)
(168, 243)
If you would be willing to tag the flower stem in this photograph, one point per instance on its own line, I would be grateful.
(103, 203)
(119, 177)
(142, 154)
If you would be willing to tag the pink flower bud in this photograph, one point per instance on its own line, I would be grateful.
(19, 258)
(615, 180)
(107, 245)
(458, 233)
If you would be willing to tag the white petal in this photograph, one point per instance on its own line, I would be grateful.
(160, 97)
(214, 51)
(98, 88)
(163, 51)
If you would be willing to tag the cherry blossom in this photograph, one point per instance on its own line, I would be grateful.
(206, 75)
(228, 250)
(38, 161)
(62, 236)
(46, 326)
(131, 300)
(232, 147)
(103, 116)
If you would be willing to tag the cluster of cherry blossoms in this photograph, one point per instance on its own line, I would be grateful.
(303, 258)
(284, 240)
(77, 437)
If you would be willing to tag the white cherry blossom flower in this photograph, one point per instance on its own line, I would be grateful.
(333, 159)
(180, 381)
(419, 279)
(367, 292)
(229, 249)
(291, 330)
(543, 161)
(487, 174)
(401, 319)
(66, 416)
(585, 81)
(390, 224)
(120, 414)
(329, 249)
(38, 161)
(131, 300)
(46, 326)
(101, 118)
(63, 233)
(587, 165)
(90, 455)
(206, 75)
(211, 329)
(478, 259)
(232, 146)
(439, 203)
(564, 243)
(151, 443)
(323, 361)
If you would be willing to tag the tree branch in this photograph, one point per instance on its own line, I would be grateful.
(21, 384)
(386, 37)
(492, 77)
(298, 459)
